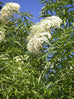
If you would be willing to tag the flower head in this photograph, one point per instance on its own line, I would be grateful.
(35, 43)
(37, 29)
(40, 33)
(9, 10)
(52, 21)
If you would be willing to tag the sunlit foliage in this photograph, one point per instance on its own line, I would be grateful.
(47, 75)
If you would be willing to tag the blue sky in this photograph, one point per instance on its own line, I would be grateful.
(32, 6)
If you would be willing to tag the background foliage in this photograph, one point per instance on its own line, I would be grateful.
(48, 75)
(1, 5)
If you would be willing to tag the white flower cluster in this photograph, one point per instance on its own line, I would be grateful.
(2, 35)
(51, 22)
(35, 43)
(40, 33)
(9, 10)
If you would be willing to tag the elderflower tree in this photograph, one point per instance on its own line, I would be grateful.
(36, 60)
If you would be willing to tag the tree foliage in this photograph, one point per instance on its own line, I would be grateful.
(48, 75)
(1, 5)
(59, 72)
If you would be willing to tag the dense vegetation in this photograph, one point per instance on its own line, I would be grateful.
(47, 75)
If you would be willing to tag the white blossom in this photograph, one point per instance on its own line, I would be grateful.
(46, 24)
(9, 10)
(52, 21)
(55, 21)
(35, 43)
(37, 28)
(40, 33)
